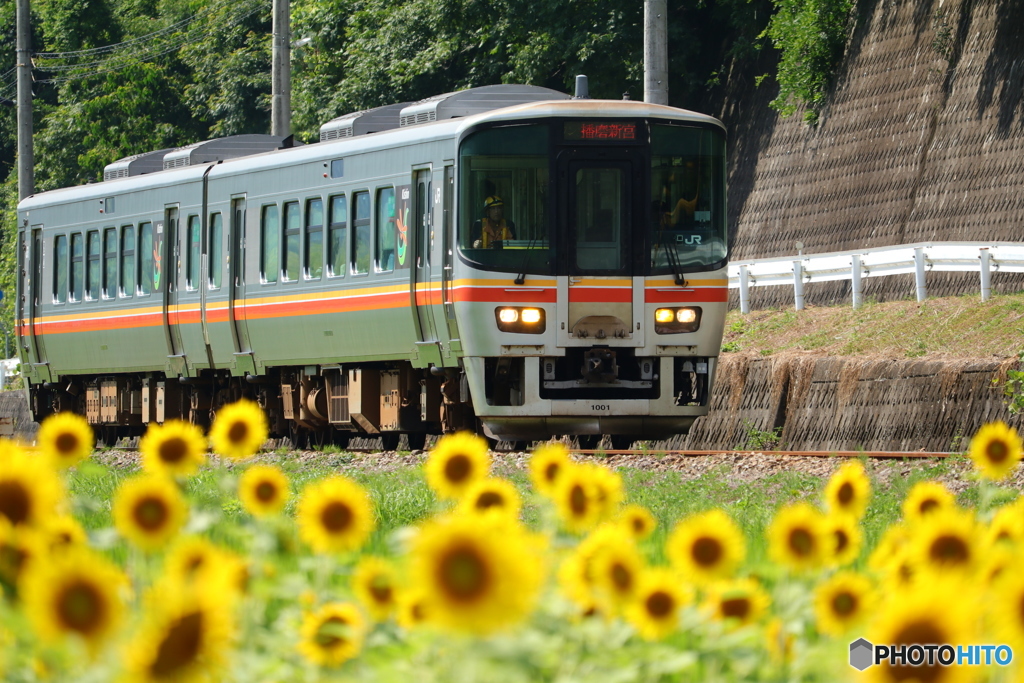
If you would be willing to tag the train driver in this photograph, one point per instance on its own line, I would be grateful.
(493, 228)
(683, 209)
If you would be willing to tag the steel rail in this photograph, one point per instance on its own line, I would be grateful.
(808, 454)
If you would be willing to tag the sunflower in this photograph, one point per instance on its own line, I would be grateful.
(20, 547)
(1006, 527)
(638, 520)
(848, 538)
(576, 499)
(779, 641)
(490, 496)
(457, 461)
(64, 531)
(608, 487)
(658, 598)
(996, 450)
(999, 561)
(576, 575)
(893, 544)
(616, 570)
(842, 602)
(176, 448)
(738, 602)
(239, 430)
(333, 634)
(375, 585)
(1007, 613)
(798, 537)
(411, 608)
(547, 464)
(924, 498)
(185, 636)
(190, 558)
(947, 542)
(30, 490)
(706, 547)
(263, 490)
(334, 515)
(149, 510)
(65, 438)
(477, 574)
(75, 593)
(848, 490)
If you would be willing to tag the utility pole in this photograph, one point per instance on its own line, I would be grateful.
(281, 72)
(655, 52)
(26, 157)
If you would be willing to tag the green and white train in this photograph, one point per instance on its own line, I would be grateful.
(347, 285)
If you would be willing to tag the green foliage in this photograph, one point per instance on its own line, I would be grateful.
(762, 440)
(811, 37)
(1013, 389)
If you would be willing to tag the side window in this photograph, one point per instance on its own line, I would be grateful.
(314, 267)
(336, 241)
(361, 234)
(127, 260)
(216, 250)
(270, 234)
(77, 267)
(292, 235)
(92, 266)
(193, 250)
(60, 269)
(386, 229)
(109, 263)
(146, 258)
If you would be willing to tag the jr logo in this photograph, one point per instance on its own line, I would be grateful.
(688, 239)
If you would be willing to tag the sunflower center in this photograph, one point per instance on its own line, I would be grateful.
(949, 549)
(66, 443)
(621, 577)
(489, 499)
(736, 607)
(12, 559)
(927, 505)
(463, 574)
(15, 503)
(180, 646)
(997, 451)
(194, 563)
(844, 604)
(381, 592)
(578, 500)
(707, 552)
(151, 513)
(457, 469)
(842, 540)
(336, 517)
(238, 432)
(80, 607)
(329, 633)
(551, 471)
(920, 632)
(265, 492)
(639, 526)
(801, 542)
(659, 604)
(845, 494)
(173, 450)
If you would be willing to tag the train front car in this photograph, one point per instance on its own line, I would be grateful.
(591, 284)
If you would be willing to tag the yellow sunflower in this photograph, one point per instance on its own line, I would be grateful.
(799, 538)
(848, 538)
(848, 490)
(477, 574)
(924, 498)
(947, 542)
(737, 602)
(996, 450)
(843, 601)
(608, 486)
(779, 641)
(576, 575)
(895, 540)
(64, 531)
(239, 430)
(375, 585)
(189, 558)
(20, 547)
(638, 520)
(65, 438)
(491, 496)
(175, 448)
(1006, 527)
(333, 634)
(999, 561)
(706, 547)
(1007, 613)
(263, 490)
(335, 515)
(75, 593)
(149, 510)
(659, 596)
(30, 489)
(412, 608)
(576, 499)
(547, 464)
(457, 461)
(616, 570)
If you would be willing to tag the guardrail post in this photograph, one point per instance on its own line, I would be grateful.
(744, 290)
(798, 285)
(986, 274)
(922, 292)
(856, 286)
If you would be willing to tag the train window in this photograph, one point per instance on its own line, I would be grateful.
(386, 229)
(92, 266)
(147, 254)
(216, 250)
(60, 269)
(194, 241)
(314, 267)
(127, 261)
(270, 233)
(361, 234)
(292, 237)
(109, 262)
(77, 267)
(336, 239)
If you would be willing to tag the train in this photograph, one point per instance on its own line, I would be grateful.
(507, 259)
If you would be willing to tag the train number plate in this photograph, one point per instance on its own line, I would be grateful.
(583, 408)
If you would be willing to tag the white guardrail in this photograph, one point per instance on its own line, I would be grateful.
(979, 257)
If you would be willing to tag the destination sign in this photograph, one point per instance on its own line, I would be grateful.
(603, 130)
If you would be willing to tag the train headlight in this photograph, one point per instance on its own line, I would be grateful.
(522, 320)
(676, 320)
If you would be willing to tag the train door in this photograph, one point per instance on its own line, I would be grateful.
(423, 294)
(236, 276)
(448, 251)
(167, 270)
(33, 296)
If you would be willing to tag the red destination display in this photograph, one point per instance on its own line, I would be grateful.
(605, 130)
